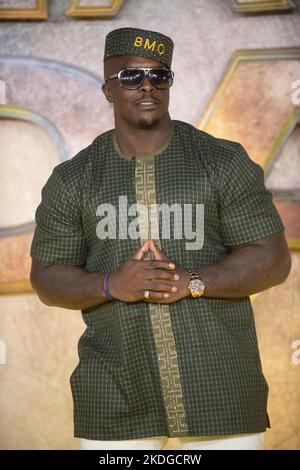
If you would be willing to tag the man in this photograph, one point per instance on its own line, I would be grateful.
(170, 347)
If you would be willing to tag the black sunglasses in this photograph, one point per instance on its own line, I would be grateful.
(133, 77)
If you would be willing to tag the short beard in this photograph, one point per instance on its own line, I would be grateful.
(145, 124)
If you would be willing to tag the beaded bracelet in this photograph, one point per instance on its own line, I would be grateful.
(105, 286)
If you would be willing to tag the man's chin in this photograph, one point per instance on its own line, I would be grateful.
(149, 123)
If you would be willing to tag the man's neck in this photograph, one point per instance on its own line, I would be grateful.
(140, 141)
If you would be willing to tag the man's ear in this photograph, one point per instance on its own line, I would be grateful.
(106, 90)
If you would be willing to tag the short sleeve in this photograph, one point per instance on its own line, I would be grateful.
(58, 236)
(247, 211)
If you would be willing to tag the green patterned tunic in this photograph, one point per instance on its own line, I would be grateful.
(147, 369)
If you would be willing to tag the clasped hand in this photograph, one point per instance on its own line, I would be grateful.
(165, 281)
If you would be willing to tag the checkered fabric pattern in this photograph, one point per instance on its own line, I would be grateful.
(140, 42)
(117, 386)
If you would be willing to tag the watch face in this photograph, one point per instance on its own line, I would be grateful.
(197, 287)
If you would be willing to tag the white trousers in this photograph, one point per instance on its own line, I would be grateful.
(228, 442)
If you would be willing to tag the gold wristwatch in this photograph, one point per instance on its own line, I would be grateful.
(196, 285)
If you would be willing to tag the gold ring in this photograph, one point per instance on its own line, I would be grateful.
(146, 294)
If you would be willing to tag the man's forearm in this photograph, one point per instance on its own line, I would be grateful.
(244, 272)
(69, 287)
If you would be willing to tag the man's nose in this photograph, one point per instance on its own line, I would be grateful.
(146, 85)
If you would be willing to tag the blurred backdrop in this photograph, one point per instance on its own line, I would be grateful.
(237, 76)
